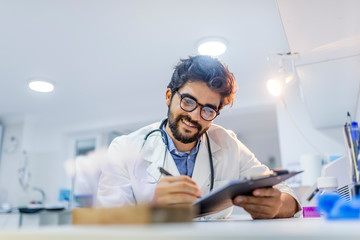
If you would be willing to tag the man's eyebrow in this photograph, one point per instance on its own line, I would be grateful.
(207, 104)
(212, 106)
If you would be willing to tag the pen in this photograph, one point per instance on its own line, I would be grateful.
(351, 135)
(163, 171)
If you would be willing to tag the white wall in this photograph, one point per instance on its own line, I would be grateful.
(256, 127)
(329, 141)
(11, 160)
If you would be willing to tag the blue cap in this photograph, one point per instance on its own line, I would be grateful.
(354, 131)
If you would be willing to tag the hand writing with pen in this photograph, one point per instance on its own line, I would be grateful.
(173, 190)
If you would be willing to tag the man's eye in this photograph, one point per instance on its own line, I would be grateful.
(209, 110)
(188, 102)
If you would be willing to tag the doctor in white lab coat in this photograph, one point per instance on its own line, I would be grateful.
(200, 87)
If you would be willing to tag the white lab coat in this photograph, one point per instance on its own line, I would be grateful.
(130, 177)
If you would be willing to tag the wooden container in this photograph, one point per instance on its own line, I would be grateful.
(132, 215)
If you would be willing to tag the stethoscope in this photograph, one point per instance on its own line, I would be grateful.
(166, 142)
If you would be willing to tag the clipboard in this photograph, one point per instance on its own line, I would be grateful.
(221, 198)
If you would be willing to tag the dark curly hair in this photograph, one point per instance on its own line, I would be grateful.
(209, 70)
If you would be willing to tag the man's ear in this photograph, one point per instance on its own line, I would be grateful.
(168, 96)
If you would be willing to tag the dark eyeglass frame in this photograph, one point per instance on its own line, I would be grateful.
(196, 105)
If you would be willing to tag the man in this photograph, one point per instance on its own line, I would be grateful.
(200, 87)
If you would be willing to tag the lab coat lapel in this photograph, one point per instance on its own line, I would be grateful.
(170, 165)
(153, 152)
(202, 172)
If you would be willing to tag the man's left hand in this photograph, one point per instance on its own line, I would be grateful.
(264, 203)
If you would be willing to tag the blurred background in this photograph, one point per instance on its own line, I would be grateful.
(110, 62)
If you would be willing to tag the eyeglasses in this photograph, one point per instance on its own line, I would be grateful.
(189, 104)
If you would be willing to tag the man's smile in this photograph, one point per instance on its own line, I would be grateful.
(188, 124)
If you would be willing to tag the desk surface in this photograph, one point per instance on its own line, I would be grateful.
(242, 229)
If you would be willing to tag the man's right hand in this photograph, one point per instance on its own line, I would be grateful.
(172, 190)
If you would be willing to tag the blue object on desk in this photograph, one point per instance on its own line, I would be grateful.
(337, 208)
(64, 195)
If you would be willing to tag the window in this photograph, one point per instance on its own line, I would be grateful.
(84, 146)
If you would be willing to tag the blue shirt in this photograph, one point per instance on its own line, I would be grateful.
(185, 161)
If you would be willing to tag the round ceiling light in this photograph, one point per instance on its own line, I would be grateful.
(41, 86)
(212, 47)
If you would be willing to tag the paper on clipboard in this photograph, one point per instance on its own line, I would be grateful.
(221, 198)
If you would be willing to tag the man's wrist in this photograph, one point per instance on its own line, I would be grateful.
(289, 206)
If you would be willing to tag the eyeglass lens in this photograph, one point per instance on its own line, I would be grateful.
(188, 104)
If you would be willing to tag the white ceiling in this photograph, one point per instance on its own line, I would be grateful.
(114, 59)
(326, 34)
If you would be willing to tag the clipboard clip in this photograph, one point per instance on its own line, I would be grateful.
(272, 173)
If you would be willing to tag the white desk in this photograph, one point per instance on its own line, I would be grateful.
(304, 229)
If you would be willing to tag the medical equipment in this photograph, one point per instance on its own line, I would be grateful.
(24, 178)
(23, 173)
(165, 140)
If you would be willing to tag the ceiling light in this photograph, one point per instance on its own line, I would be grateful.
(41, 86)
(211, 47)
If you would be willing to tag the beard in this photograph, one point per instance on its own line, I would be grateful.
(174, 122)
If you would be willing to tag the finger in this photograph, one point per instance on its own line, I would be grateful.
(260, 211)
(176, 198)
(254, 208)
(260, 216)
(171, 179)
(266, 192)
(181, 185)
(241, 200)
(184, 187)
(266, 201)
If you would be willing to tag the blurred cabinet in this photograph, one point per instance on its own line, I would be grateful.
(34, 220)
